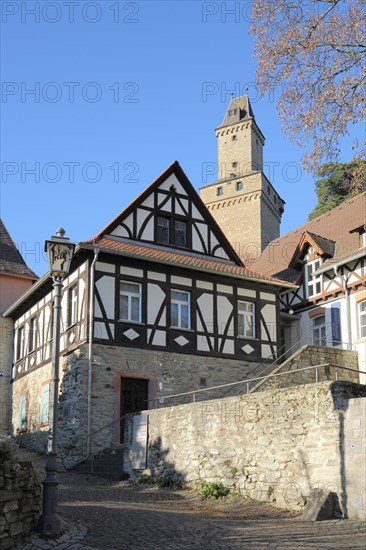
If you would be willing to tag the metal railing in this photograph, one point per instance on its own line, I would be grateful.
(246, 382)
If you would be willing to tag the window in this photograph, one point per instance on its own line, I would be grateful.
(180, 309)
(230, 113)
(130, 302)
(239, 185)
(235, 111)
(50, 323)
(163, 230)
(362, 319)
(180, 233)
(246, 319)
(23, 406)
(219, 191)
(234, 138)
(319, 337)
(32, 342)
(73, 305)
(234, 164)
(171, 231)
(313, 283)
(20, 343)
(363, 240)
(44, 404)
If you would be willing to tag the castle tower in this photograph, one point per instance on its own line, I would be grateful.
(242, 200)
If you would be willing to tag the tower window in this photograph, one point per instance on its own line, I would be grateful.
(234, 164)
(239, 185)
(219, 191)
(269, 190)
(233, 138)
(230, 113)
(235, 111)
(275, 199)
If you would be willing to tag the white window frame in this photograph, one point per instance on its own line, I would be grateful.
(130, 295)
(32, 339)
(181, 304)
(361, 307)
(316, 330)
(311, 282)
(246, 314)
(73, 305)
(20, 342)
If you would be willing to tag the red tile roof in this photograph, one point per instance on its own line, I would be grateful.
(337, 225)
(175, 258)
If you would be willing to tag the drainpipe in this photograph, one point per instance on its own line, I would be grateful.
(348, 305)
(90, 347)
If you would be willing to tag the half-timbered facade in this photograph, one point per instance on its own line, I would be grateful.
(326, 259)
(156, 303)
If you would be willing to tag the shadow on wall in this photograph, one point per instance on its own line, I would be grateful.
(162, 471)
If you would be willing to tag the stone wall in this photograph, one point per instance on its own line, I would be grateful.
(168, 373)
(272, 446)
(20, 502)
(306, 356)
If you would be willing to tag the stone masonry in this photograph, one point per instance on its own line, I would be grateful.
(273, 446)
(20, 502)
(168, 373)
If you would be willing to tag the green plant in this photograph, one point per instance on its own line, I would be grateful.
(233, 470)
(144, 478)
(7, 450)
(213, 490)
(163, 482)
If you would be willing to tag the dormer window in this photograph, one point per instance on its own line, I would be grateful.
(171, 231)
(313, 282)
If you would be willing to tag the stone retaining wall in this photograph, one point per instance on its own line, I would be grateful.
(306, 356)
(20, 502)
(273, 446)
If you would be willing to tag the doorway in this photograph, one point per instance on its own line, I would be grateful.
(134, 397)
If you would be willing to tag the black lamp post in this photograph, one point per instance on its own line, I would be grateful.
(59, 252)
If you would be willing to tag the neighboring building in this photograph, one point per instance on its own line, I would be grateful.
(326, 258)
(243, 201)
(15, 279)
(157, 303)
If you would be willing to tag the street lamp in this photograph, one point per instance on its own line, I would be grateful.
(59, 252)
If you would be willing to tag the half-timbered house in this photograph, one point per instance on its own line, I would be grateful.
(156, 303)
(326, 259)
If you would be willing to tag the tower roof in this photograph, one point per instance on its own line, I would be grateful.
(11, 262)
(239, 109)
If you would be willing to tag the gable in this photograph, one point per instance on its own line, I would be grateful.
(322, 246)
(170, 214)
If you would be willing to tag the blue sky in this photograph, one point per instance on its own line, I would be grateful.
(120, 90)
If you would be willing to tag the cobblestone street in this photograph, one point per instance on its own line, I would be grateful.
(103, 515)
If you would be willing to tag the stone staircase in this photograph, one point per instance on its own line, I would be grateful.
(107, 463)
